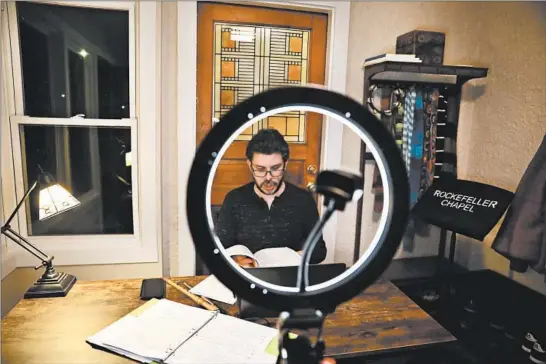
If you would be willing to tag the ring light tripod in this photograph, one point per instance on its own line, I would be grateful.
(303, 305)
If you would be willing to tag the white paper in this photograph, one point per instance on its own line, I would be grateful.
(227, 340)
(117, 328)
(175, 333)
(277, 257)
(157, 331)
(239, 250)
(212, 288)
(270, 257)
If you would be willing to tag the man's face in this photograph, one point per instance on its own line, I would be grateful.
(268, 172)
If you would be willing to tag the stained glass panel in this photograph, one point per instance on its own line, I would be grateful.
(251, 59)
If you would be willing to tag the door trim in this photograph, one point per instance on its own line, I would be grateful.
(336, 74)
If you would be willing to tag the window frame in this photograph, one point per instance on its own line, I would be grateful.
(142, 245)
(9, 259)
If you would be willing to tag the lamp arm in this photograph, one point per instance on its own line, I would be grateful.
(19, 239)
(309, 246)
(8, 221)
(13, 235)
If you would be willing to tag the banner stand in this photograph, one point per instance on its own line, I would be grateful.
(459, 207)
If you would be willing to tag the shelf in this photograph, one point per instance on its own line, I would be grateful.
(418, 72)
(409, 270)
(450, 77)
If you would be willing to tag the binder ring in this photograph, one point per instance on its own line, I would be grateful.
(391, 224)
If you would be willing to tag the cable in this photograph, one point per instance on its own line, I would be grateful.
(396, 97)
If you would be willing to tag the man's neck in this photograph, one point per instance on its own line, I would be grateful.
(269, 198)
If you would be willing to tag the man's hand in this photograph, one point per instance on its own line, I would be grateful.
(244, 261)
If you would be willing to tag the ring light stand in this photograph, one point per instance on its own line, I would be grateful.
(302, 306)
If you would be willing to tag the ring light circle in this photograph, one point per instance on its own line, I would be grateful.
(385, 215)
(392, 222)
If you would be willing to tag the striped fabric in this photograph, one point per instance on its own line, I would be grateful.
(414, 158)
(407, 133)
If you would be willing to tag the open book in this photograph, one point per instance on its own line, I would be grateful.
(212, 288)
(173, 333)
(270, 257)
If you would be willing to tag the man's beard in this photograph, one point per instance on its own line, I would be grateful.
(269, 183)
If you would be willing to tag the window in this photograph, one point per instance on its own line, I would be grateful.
(75, 114)
(251, 59)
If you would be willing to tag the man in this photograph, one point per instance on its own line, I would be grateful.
(268, 212)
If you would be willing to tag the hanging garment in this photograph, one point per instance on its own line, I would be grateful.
(411, 141)
(409, 107)
(391, 99)
(522, 235)
(397, 124)
(386, 98)
(429, 153)
(416, 148)
(430, 114)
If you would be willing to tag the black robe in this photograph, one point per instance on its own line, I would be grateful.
(522, 235)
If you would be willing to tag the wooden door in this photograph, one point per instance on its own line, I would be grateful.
(243, 50)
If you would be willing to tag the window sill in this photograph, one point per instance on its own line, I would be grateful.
(85, 251)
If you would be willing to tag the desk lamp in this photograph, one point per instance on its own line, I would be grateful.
(302, 306)
(53, 200)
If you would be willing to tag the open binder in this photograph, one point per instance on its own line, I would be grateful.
(163, 331)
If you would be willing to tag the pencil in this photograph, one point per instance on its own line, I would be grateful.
(199, 300)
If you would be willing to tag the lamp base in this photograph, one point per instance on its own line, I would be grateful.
(51, 284)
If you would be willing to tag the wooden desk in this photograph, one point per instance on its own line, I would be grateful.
(53, 330)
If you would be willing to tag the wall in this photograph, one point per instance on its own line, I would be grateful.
(502, 117)
(169, 141)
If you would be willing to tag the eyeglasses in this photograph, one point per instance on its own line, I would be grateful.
(277, 172)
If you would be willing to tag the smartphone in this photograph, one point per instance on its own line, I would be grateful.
(152, 288)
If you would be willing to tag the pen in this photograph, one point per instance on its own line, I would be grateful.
(199, 300)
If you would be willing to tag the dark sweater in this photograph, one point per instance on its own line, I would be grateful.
(246, 219)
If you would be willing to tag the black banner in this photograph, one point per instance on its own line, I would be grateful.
(465, 207)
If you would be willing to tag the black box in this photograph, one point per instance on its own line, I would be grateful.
(429, 46)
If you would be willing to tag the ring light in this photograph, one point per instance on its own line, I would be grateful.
(391, 225)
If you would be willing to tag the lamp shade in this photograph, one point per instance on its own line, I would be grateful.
(54, 199)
